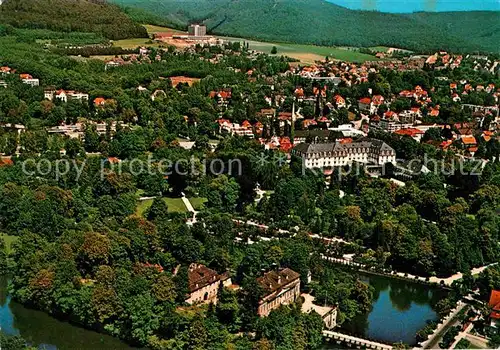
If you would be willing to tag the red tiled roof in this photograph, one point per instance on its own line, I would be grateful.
(494, 303)
(285, 116)
(365, 100)
(246, 124)
(378, 100)
(200, 276)
(445, 144)
(338, 99)
(390, 114)
(409, 132)
(99, 101)
(6, 162)
(299, 92)
(469, 140)
(113, 160)
(434, 112)
(273, 280)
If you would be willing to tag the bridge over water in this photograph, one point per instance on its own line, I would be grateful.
(355, 341)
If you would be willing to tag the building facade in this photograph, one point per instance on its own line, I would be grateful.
(204, 284)
(327, 155)
(197, 30)
(282, 287)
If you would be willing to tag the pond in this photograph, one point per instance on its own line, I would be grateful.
(46, 332)
(400, 309)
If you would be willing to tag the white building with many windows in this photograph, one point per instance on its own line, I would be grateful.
(327, 155)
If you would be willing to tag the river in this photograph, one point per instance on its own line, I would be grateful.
(46, 332)
(400, 308)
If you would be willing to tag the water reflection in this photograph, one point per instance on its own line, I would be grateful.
(47, 332)
(400, 308)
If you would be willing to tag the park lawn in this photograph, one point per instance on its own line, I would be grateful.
(198, 202)
(9, 240)
(175, 205)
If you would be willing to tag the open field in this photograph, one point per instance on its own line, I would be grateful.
(304, 53)
(134, 42)
(157, 29)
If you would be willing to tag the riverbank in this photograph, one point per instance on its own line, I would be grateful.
(434, 281)
(41, 329)
(400, 308)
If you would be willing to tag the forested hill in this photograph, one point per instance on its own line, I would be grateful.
(71, 16)
(320, 22)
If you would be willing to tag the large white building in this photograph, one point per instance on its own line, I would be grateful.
(197, 30)
(327, 155)
(64, 96)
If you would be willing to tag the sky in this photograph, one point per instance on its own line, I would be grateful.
(405, 6)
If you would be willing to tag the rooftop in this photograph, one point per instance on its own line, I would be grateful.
(273, 280)
(200, 276)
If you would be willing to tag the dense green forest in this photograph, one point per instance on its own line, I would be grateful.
(71, 16)
(323, 23)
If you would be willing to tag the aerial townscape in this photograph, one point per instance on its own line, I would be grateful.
(265, 175)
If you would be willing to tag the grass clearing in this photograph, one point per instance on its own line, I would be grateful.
(9, 240)
(175, 205)
(307, 53)
(198, 202)
(158, 29)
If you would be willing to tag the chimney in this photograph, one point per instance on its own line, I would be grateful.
(279, 279)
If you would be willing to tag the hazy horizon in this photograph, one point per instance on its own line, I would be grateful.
(408, 6)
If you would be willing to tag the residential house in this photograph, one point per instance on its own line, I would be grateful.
(6, 161)
(5, 70)
(339, 101)
(494, 304)
(65, 96)
(29, 80)
(348, 130)
(414, 133)
(433, 111)
(245, 129)
(101, 102)
(365, 105)
(282, 287)
(409, 116)
(267, 113)
(223, 96)
(468, 141)
(493, 110)
(203, 284)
